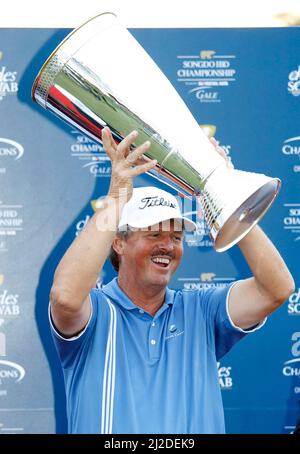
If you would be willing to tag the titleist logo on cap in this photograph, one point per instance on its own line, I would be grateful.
(155, 202)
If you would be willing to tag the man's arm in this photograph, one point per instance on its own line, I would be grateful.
(251, 300)
(79, 268)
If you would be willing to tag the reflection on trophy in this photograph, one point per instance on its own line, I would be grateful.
(100, 76)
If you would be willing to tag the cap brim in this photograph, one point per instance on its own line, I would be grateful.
(188, 225)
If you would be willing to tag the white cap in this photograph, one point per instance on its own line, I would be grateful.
(148, 206)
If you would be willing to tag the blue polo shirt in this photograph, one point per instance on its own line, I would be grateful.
(130, 372)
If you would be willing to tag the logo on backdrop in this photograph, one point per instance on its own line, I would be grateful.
(3, 246)
(3, 392)
(294, 82)
(2, 344)
(10, 373)
(291, 220)
(95, 204)
(81, 224)
(9, 303)
(91, 154)
(294, 303)
(206, 279)
(199, 238)
(291, 149)
(206, 74)
(8, 80)
(9, 151)
(288, 429)
(11, 221)
(225, 379)
(291, 367)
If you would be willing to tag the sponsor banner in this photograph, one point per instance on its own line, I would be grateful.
(11, 374)
(288, 429)
(91, 154)
(8, 79)
(225, 378)
(10, 151)
(247, 102)
(26, 420)
(291, 367)
(80, 225)
(199, 238)
(9, 303)
(294, 82)
(11, 220)
(291, 150)
(293, 306)
(3, 247)
(2, 343)
(291, 220)
(205, 75)
(205, 280)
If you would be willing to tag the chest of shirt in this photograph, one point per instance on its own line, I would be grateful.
(171, 334)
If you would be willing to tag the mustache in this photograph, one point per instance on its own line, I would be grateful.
(163, 252)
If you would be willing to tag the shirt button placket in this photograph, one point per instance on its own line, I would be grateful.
(153, 340)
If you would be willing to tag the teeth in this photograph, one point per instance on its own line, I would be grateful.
(165, 261)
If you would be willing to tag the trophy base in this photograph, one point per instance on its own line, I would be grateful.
(246, 216)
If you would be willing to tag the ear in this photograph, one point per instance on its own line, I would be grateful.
(118, 245)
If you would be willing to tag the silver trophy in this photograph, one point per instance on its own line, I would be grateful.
(101, 76)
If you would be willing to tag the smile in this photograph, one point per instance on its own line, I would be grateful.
(161, 261)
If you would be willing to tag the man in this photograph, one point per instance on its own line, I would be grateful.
(138, 357)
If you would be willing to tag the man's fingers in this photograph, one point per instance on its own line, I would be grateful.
(229, 163)
(136, 154)
(109, 144)
(121, 153)
(214, 142)
(112, 141)
(125, 144)
(222, 152)
(138, 170)
(141, 160)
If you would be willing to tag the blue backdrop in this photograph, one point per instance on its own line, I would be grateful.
(243, 86)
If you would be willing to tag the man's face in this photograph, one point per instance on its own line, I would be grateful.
(152, 256)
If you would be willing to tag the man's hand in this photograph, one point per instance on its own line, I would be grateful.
(126, 164)
(221, 152)
(79, 268)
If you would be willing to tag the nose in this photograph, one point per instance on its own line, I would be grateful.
(166, 243)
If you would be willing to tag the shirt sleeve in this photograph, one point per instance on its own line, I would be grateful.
(69, 348)
(222, 332)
